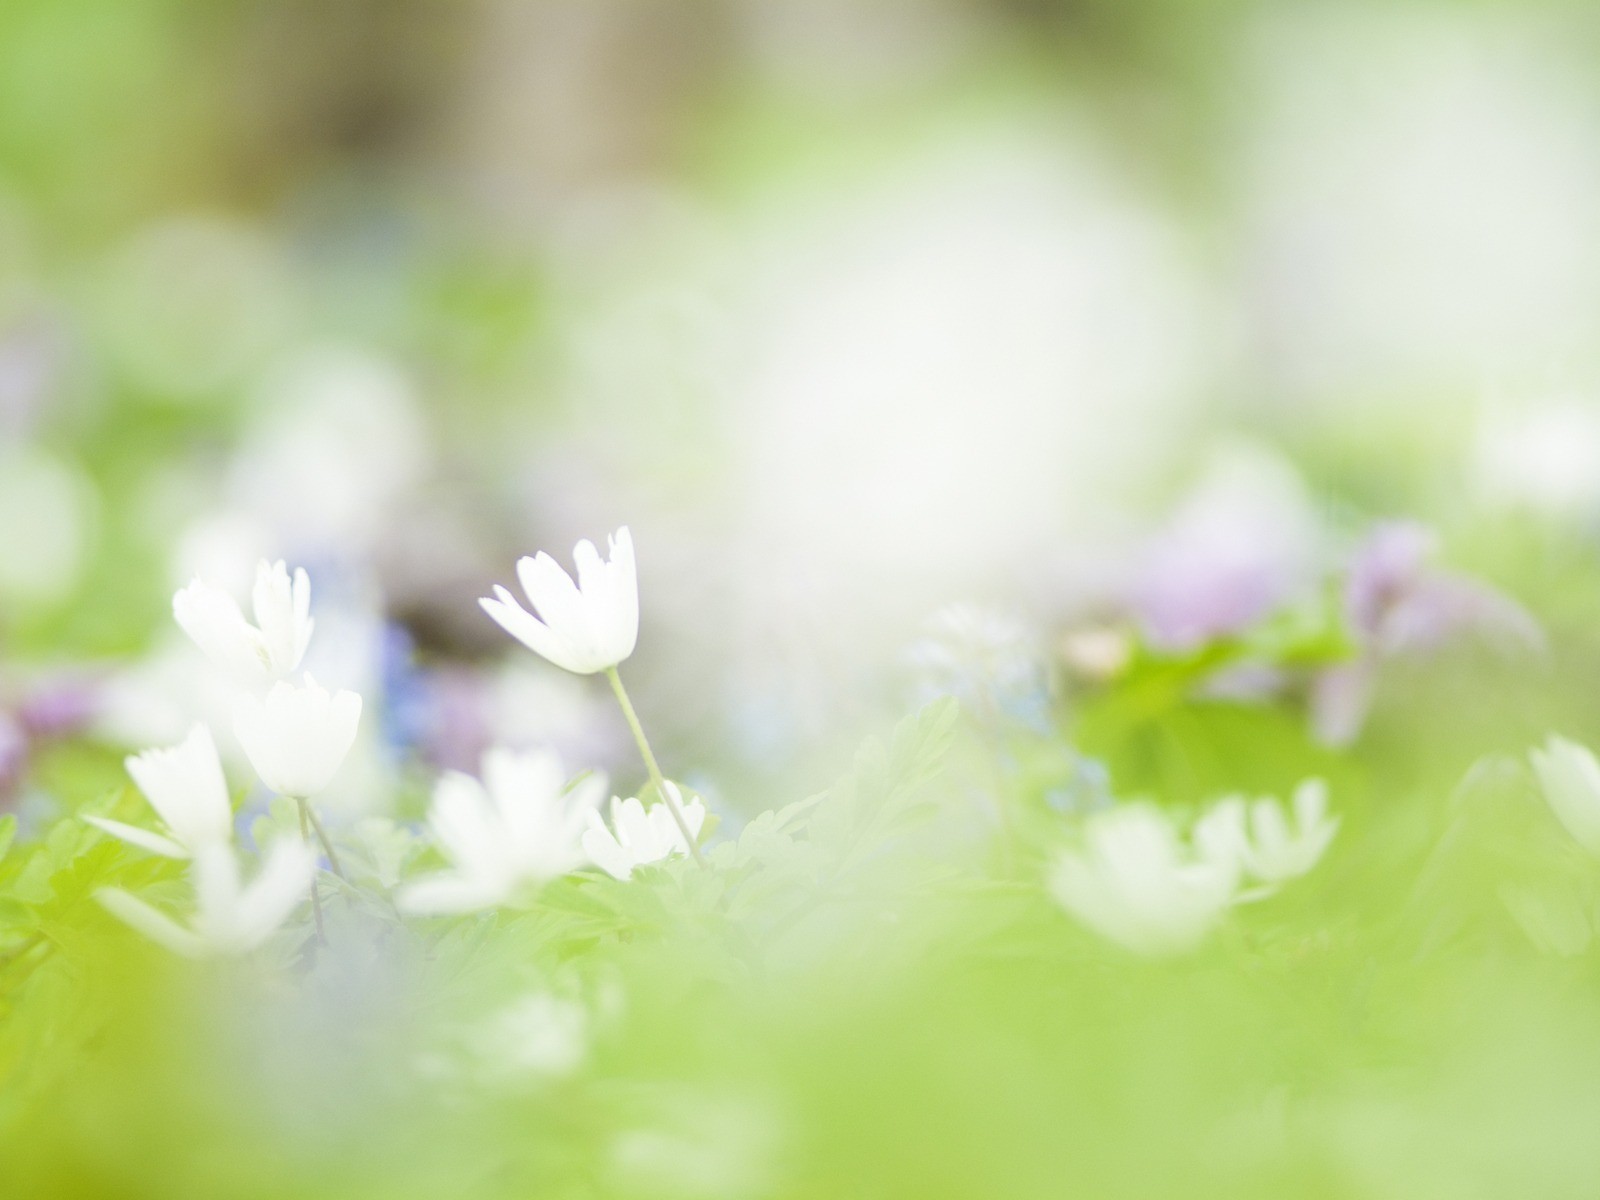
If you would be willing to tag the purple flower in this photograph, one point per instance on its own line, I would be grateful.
(1397, 602)
(1243, 544)
(13, 756)
(59, 708)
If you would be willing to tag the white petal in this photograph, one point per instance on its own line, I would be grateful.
(605, 853)
(582, 802)
(255, 734)
(632, 827)
(467, 826)
(344, 719)
(156, 926)
(217, 888)
(624, 630)
(534, 634)
(526, 791)
(1570, 778)
(298, 737)
(283, 882)
(214, 623)
(553, 594)
(446, 893)
(281, 615)
(142, 838)
(185, 785)
(1220, 834)
(1310, 802)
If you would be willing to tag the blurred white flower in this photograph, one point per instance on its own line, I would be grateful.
(1570, 777)
(710, 1145)
(336, 447)
(540, 1035)
(267, 650)
(1554, 917)
(516, 827)
(155, 700)
(186, 787)
(229, 917)
(584, 627)
(1134, 882)
(297, 737)
(1260, 838)
(985, 657)
(637, 837)
(1543, 456)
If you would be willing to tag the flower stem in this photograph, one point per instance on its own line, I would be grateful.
(650, 763)
(322, 836)
(305, 833)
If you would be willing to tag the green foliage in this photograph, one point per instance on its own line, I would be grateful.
(856, 995)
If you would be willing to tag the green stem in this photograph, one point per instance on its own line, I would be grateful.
(316, 899)
(322, 836)
(650, 763)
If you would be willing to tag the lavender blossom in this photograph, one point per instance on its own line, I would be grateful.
(1396, 603)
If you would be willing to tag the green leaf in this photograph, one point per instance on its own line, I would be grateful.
(884, 784)
(282, 820)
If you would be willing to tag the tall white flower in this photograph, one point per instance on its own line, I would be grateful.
(637, 837)
(1569, 775)
(185, 785)
(1260, 838)
(230, 917)
(298, 736)
(267, 650)
(584, 627)
(517, 827)
(1136, 883)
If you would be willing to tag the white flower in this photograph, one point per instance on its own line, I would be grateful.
(298, 736)
(186, 787)
(539, 1035)
(229, 917)
(514, 828)
(1553, 916)
(1136, 883)
(1260, 839)
(267, 650)
(1570, 778)
(584, 627)
(637, 837)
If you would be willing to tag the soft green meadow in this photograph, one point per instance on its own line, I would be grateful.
(1000, 955)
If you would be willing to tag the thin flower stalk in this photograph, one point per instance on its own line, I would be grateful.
(658, 781)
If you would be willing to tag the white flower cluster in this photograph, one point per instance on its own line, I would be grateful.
(526, 822)
(296, 737)
(521, 825)
(1137, 882)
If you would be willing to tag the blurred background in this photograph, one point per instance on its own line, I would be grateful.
(1113, 322)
